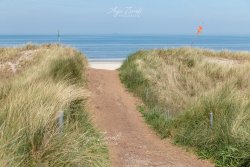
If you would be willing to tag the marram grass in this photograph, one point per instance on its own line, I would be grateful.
(181, 87)
(31, 99)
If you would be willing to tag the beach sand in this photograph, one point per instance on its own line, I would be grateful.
(105, 65)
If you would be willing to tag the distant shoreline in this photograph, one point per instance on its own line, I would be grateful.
(118, 47)
(107, 60)
(105, 65)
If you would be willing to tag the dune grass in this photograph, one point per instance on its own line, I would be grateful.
(181, 87)
(31, 100)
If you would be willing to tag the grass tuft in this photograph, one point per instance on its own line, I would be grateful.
(52, 82)
(180, 87)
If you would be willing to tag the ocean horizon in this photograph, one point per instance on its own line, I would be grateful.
(118, 47)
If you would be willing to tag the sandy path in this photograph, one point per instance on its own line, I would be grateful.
(131, 142)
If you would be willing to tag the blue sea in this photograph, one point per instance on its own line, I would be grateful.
(116, 47)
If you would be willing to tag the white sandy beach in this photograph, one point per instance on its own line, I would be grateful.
(105, 65)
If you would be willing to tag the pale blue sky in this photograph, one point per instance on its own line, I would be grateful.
(218, 17)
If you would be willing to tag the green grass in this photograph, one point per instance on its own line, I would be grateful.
(52, 82)
(180, 87)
